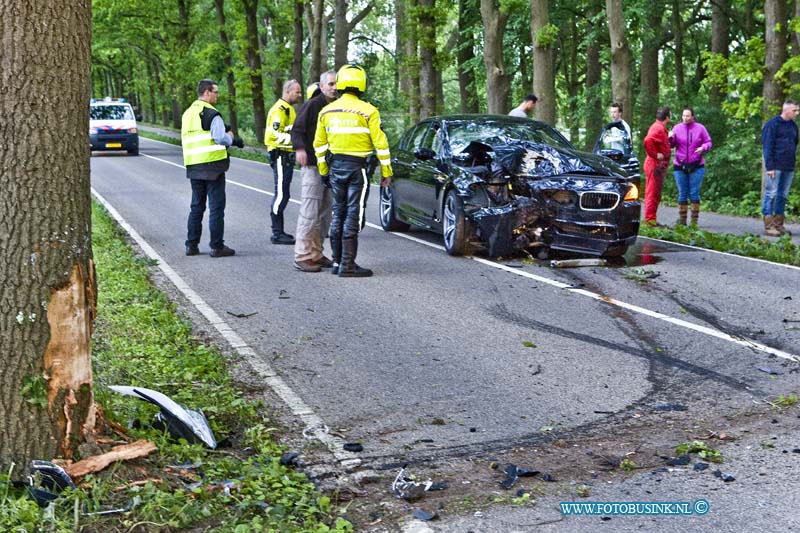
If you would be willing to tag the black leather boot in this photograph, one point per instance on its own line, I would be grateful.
(336, 254)
(348, 267)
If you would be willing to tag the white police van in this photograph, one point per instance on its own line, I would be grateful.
(112, 125)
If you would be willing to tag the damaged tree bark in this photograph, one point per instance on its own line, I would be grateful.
(47, 293)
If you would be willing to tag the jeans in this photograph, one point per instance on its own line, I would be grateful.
(689, 184)
(776, 190)
(214, 190)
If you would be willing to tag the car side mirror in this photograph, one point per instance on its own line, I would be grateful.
(424, 154)
(138, 118)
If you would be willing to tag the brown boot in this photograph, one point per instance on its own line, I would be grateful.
(769, 227)
(683, 209)
(695, 212)
(778, 224)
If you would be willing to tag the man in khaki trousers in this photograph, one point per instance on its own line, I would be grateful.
(315, 201)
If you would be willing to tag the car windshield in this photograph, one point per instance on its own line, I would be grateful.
(493, 134)
(110, 112)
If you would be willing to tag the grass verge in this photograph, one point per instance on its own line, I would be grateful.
(781, 251)
(140, 340)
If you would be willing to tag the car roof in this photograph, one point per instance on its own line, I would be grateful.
(485, 118)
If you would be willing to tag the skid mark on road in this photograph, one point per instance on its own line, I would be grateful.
(739, 340)
(502, 313)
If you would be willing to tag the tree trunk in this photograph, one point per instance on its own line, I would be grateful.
(720, 41)
(343, 28)
(621, 59)
(775, 41)
(595, 110)
(677, 31)
(572, 81)
(467, 18)
(427, 54)
(254, 64)
(227, 63)
(297, 56)
(544, 85)
(409, 64)
(314, 17)
(48, 289)
(498, 81)
(649, 83)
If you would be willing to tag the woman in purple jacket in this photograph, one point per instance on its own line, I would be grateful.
(690, 140)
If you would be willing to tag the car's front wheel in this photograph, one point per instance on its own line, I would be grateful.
(454, 225)
(388, 211)
(133, 151)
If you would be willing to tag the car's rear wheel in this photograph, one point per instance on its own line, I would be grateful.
(455, 225)
(388, 211)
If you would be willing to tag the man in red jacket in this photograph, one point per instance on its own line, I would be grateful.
(657, 148)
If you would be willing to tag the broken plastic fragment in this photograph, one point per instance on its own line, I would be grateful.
(573, 263)
(353, 447)
(700, 466)
(681, 460)
(180, 421)
(406, 488)
(289, 458)
(422, 514)
(769, 371)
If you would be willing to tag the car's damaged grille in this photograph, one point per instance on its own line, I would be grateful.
(599, 201)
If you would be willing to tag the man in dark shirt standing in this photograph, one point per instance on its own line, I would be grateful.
(315, 200)
(779, 141)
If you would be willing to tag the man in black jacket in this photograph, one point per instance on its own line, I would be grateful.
(315, 200)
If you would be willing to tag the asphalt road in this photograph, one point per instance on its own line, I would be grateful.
(437, 356)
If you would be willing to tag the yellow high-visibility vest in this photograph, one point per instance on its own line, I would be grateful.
(351, 126)
(279, 126)
(198, 146)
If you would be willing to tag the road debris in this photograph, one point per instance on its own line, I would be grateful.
(182, 423)
(422, 514)
(353, 447)
(699, 467)
(408, 488)
(242, 315)
(575, 263)
(727, 478)
(513, 472)
(769, 371)
(140, 448)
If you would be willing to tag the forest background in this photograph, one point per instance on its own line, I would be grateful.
(733, 61)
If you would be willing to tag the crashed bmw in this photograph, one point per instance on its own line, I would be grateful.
(502, 184)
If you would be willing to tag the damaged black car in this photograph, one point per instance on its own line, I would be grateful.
(501, 184)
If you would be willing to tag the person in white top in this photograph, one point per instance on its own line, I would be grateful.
(615, 111)
(527, 107)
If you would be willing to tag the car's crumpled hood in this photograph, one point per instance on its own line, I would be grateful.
(537, 160)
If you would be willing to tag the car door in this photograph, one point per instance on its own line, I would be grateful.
(426, 176)
(403, 161)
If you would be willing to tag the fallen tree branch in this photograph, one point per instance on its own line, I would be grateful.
(140, 448)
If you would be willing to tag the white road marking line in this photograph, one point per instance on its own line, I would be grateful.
(315, 426)
(742, 341)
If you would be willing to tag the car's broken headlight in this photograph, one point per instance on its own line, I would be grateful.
(633, 194)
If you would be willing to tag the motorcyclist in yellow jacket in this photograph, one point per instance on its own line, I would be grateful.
(278, 139)
(348, 132)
